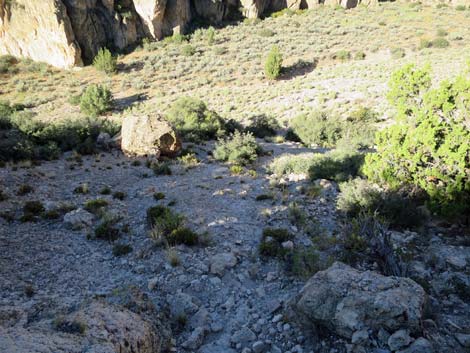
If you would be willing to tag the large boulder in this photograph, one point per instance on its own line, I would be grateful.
(97, 327)
(345, 301)
(148, 136)
(124, 321)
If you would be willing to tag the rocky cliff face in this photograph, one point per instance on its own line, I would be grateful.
(40, 30)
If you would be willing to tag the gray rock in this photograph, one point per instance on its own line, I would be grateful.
(221, 262)
(346, 300)
(78, 219)
(360, 337)
(200, 319)
(215, 348)
(463, 339)
(421, 345)
(259, 347)
(182, 304)
(399, 340)
(244, 337)
(152, 283)
(196, 339)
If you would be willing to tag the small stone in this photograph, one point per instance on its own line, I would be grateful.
(421, 345)
(78, 219)
(244, 337)
(277, 318)
(195, 340)
(360, 337)
(259, 347)
(288, 245)
(399, 339)
(221, 262)
(458, 262)
(152, 283)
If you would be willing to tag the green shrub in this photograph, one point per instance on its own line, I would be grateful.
(176, 39)
(360, 55)
(210, 35)
(397, 207)
(441, 32)
(188, 50)
(96, 100)
(161, 168)
(273, 64)
(170, 227)
(262, 126)
(304, 263)
(6, 111)
(460, 8)
(94, 206)
(336, 165)
(239, 148)
(159, 196)
(7, 63)
(291, 164)
(428, 145)
(121, 249)
(105, 61)
(265, 32)
(425, 43)
(24, 189)
(107, 229)
(440, 43)
(342, 55)
(271, 242)
(193, 120)
(317, 128)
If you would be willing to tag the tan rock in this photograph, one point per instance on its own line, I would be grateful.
(39, 30)
(148, 136)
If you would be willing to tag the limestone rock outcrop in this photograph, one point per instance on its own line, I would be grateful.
(345, 301)
(40, 30)
(148, 136)
(97, 327)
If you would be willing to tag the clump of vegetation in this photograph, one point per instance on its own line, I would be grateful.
(367, 239)
(121, 249)
(397, 53)
(7, 64)
(3, 196)
(32, 210)
(273, 64)
(320, 129)
(63, 325)
(24, 189)
(262, 126)
(304, 263)
(169, 227)
(336, 165)
(119, 195)
(188, 50)
(96, 205)
(239, 148)
(161, 168)
(397, 207)
(96, 100)
(158, 196)
(81, 189)
(342, 55)
(107, 230)
(272, 240)
(105, 61)
(194, 121)
(427, 147)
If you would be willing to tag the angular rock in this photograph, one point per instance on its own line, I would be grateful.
(244, 337)
(96, 327)
(78, 219)
(345, 300)
(421, 345)
(463, 339)
(148, 136)
(221, 262)
(399, 340)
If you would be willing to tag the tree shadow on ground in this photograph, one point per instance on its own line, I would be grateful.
(299, 68)
(122, 103)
